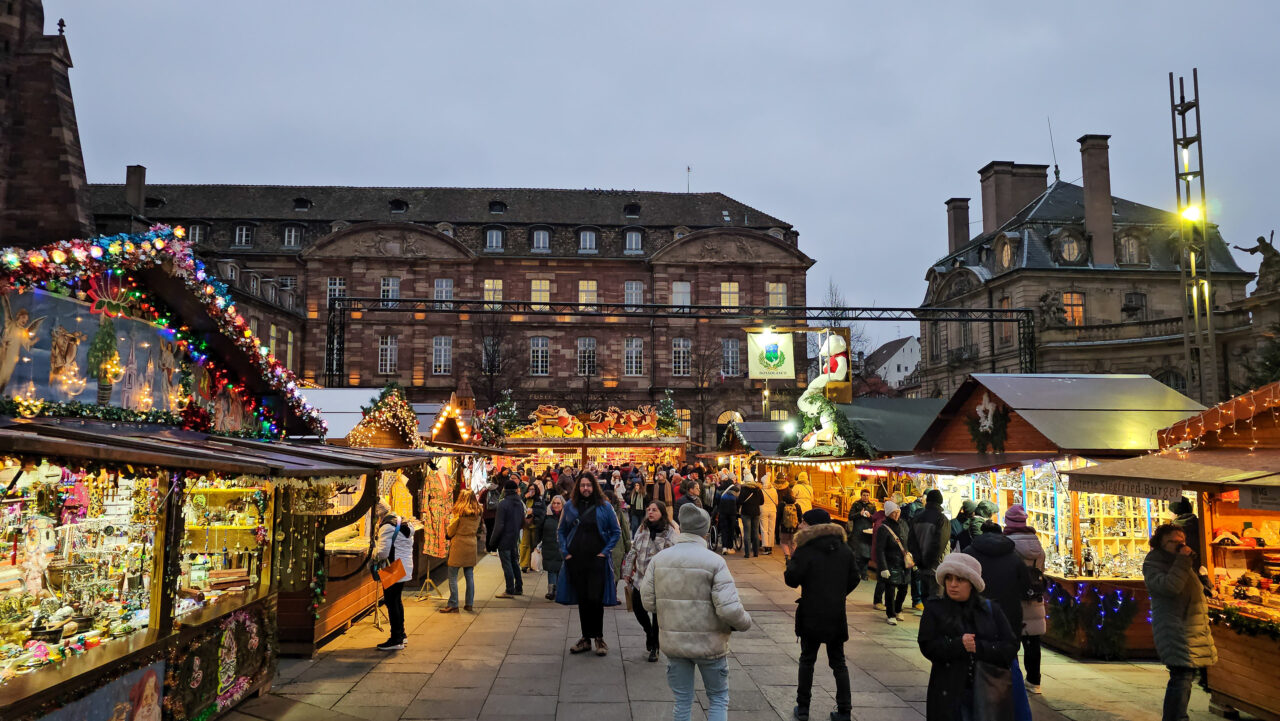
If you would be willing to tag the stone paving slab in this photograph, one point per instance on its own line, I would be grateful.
(510, 660)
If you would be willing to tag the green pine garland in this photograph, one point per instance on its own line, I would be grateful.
(856, 444)
(994, 438)
(1247, 625)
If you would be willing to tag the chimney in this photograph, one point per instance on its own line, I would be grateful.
(957, 224)
(135, 187)
(1029, 181)
(1097, 198)
(997, 194)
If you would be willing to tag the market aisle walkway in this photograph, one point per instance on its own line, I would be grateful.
(511, 660)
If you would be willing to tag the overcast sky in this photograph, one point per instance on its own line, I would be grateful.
(853, 121)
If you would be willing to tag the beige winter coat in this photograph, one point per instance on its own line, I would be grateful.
(695, 598)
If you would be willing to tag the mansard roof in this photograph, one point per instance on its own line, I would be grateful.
(436, 205)
(1061, 208)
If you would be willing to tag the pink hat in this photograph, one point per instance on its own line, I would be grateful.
(1015, 516)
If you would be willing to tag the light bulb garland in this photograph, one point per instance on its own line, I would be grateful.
(1103, 614)
(102, 269)
(389, 412)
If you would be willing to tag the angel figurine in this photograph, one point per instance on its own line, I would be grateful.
(19, 334)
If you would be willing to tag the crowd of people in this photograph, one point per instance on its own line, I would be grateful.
(977, 586)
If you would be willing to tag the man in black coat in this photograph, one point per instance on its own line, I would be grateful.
(1003, 572)
(823, 568)
(750, 498)
(507, 525)
(929, 541)
(860, 523)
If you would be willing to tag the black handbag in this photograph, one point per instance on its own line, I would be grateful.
(992, 689)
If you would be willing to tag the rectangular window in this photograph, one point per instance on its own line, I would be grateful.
(587, 295)
(493, 239)
(244, 236)
(634, 240)
(292, 236)
(253, 327)
(539, 355)
(232, 273)
(490, 356)
(444, 291)
(1135, 307)
(587, 241)
(390, 289)
(681, 353)
(730, 360)
(684, 417)
(492, 292)
(271, 339)
(633, 294)
(778, 414)
(195, 234)
(253, 284)
(442, 355)
(287, 282)
(540, 293)
(541, 240)
(633, 357)
(388, 354)
(1006, 329)
(337, 287)
(681, 294)
(728, 296)
(586, 356)
(288, 349)
(1073, 304)
(777, 294)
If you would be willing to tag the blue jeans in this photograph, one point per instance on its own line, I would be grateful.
(715, 676)
(469, 573)
(510, 558)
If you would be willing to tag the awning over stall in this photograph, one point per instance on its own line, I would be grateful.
(954, 463)
(893, 425)
(763, 437)
(1166, 475)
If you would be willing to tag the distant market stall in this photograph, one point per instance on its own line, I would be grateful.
(1229, 457)
(596, 439)
(1007, 438)
(148, 532)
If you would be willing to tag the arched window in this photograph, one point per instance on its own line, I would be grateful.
(398, 206)
(1131, 251)
(1173, 379)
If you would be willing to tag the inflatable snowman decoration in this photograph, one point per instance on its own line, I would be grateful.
(833, 360)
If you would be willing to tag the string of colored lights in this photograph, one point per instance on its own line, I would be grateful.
(103, 269)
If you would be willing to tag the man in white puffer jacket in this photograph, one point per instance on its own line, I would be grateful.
(690, 589)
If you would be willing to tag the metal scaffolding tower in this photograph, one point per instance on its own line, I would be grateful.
(1198, 341)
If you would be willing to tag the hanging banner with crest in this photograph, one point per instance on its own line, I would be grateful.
(770, 355)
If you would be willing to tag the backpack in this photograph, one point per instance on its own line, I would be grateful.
(790, 518)
(491, 500)
(1035, 592)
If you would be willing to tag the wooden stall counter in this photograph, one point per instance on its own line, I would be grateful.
(1072, 605)
(1244, 677)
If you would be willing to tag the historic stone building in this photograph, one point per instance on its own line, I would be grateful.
(42, 180)
(1102, 274)
(287, 250)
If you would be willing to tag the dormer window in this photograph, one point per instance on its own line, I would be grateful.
(232, 273)
(292, 236)
(398, 206)
(153, 203)
(497, 207)
(301, 204)
(540, 240)
(493, 239)
(587, 240)
(253, 284)
(634, 241)
(244, 236)
(631, 210)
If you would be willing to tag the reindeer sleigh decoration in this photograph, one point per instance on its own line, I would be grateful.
(556, 422)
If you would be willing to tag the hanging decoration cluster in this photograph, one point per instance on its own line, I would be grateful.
(101, 269)
(390, 411)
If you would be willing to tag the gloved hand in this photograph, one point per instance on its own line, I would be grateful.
(884, 574)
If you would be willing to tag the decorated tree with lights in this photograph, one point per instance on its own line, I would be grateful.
(668, 422)
(104, 359)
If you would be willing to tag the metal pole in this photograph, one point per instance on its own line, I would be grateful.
(1211, 343)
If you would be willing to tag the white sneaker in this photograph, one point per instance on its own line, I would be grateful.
(899, 617)
(893, 621)
(1033, 687)
(878, 606)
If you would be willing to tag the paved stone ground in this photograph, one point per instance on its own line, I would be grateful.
(511, 660)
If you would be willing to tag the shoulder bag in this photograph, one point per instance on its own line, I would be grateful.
(992, 688)
(391, 574)
(907, 560)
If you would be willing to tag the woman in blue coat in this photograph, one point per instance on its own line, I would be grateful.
(588, 532)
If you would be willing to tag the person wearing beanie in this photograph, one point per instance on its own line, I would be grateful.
(930, 539)
(1186, 519)
(1028, 547)
(891, 561)
(508, 524)
(750, 499)
(824, 569)
(961, 536)
(394, 543)
(959, 628)
(727, 517)
(690, 589)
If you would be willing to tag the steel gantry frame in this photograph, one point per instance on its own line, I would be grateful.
(342, 308)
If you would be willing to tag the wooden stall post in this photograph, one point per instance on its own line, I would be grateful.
(1076, 552)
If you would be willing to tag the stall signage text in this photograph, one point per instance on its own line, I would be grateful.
(1136, 487)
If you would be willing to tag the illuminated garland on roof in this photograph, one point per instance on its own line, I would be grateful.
(102, 268)
(390, 412)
